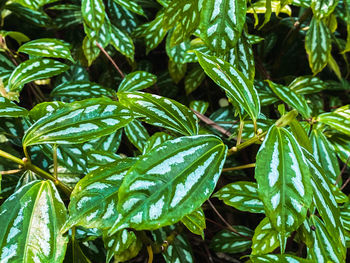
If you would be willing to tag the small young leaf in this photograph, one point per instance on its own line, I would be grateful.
(338, 119)
(10, 109)
(195, 222)
(265, 239)
(199, 105)
(193, 79)
(137, 80)
(323, 8)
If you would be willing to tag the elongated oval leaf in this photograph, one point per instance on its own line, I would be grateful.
(265, 239)
(137, 80)
(30, 225)
(78, 122)
(323, 8)
(338, 119)
(131, 5)
(137, 134)
(10, 109)
(237, 87)
(34, 69)
(283, 181)
(94, 199)
(271, 258)
(93, 12)
(195, 222)
(242, 196)
(155, 140)
(47, 47)
(122, 42)
(170, 181)
(193, 79)
(161, 111)
(307, 85)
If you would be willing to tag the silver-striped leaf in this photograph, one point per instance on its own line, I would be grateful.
(318, 45)
(195, 222)
(34, 69)
(34, 4)
(93, 12)
(99, 158)
(37, 18)
(293, 99)
(341, 144)
(47, 47)
(242, 196)
(10, 109)
(122, 42)
(132, 6)
(323, 8)
(122, 17)
(194, 79)
(307, 85)
(80, 90)
(338, 119)
(78, 122)
(265, 239)
(230, 242)
(199, 106)
(237, 87)
(176, 70)
(94, 199)
(284, 183)
(161, 111)
(31, 219)
(137, 134)
(137, 80)
(221, 23)
(285, 258)
(170, 181)
(155, 140)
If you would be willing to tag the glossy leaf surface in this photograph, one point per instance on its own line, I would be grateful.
(265, 239)
(93, 12)
(195, 222)
(338, 119)
(10, 109)
(137, 80)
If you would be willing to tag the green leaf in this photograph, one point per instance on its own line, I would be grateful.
(307, 85)
(131, 5)
(35, 4)
(293, 99)
(161, 111)
(318, 45)
(137, 134)
(338, 119)
(38, 18)
(91, 51)
(122, 17)
(47, 47)
(222, 23)
(230, 242)
(122, 42)
(34, 69)
(195, 222)
(10, 109)
(155, 140)
(265, 239)
(283, 181)
(324, 249)
(95, 197)
(300, 134)
(137, 80)
(193, 79)
(199, 105)
(271, 258)
(237, 87)
(242, 196)
(170, 181)
(179, 53)
(325, 155)
(31, 219)
(93, 12)
(123, 245)
(176, 70)
(341, 144)
(78, 122)
(323, 8)
(18, 36)
(80, 90)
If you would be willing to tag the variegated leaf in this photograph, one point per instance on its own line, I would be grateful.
(179, 53)
(10, 109)
(265, 239)
(283, 179)
(31, 219)
(338, 119)
(238, 88)
(345, 216)
(38, 18)
(47, 47)
(194, 79)
(123, 245)
(161, 111)
(137, 134)
(307, 85)
(79, 90)
(242, 196)
(341, 144)
(93, 12)
(34, 4)
(98, 158)
(324, 248)
(222, 23)
(195, 222)
(78, 122)
(122, 17)
(318, 45)
(285, 258)
(95, 197)
(170, 181)
(34, 69)
(325, 155)
(291, 98)
(199, 105)
(230, 242)
(122, 42)
(137, 80)
(323, 8)
(131, 5)
(176, 70)
(91, 51)
(155, 140)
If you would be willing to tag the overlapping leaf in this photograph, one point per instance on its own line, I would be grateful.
(307, 85)
(265, 239)
(131, 5)
(199, 106)
(222, 23)
(170, 181)
(323, 8)
(93, 12)
(193, 79)
(238, 88)
(338, 119)
(34, 69)
(283, 179)
(271, 258)
(195, 222)
(155, 140)
(38, 18)
(95, 197)
(122, 42)
(137, 80)
(242, 196)
(78, 122)
(31, 219)
(10, 109)
(161, 111)
(137, 134)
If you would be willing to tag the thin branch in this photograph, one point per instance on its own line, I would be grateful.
(245, 144)
(150, 254)
(10, 171)
(110, 59)
(241, 167)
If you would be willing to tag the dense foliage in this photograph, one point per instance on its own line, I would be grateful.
(174, 131)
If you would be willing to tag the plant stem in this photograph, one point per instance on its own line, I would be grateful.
(110, 59)
(150, 254)
(240, 131)
(55, 166)
(29, 166)
(245, 144)
(241, 167)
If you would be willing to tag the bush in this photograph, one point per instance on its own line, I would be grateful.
(174, 131)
